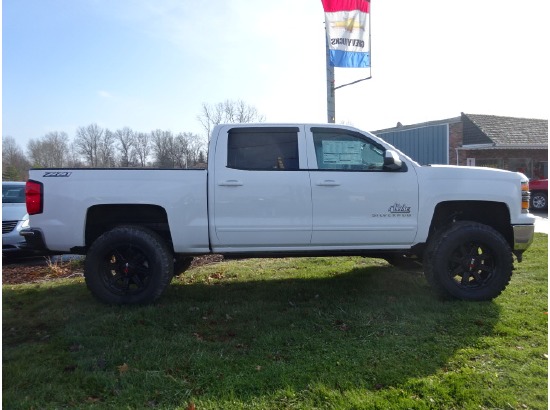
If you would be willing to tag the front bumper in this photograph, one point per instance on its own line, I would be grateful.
(523, 236)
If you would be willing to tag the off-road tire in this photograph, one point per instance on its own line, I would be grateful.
(468, 261)
(128, 265)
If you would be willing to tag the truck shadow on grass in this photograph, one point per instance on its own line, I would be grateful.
(371, 328)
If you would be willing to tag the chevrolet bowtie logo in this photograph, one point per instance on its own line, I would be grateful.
(349, 24)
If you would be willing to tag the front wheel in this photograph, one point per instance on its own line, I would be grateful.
(128, 265)
(469, 261)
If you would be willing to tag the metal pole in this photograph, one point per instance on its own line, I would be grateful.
(331, 101)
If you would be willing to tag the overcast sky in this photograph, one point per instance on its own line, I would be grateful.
(150, 64)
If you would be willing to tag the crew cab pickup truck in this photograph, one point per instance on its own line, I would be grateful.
(284, 190)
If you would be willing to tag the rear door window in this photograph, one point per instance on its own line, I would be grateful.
(268, 149)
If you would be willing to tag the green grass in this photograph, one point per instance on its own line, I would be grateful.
(327, 333)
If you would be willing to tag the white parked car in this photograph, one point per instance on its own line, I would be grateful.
(14, 217)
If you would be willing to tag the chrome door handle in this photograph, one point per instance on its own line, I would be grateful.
(328, 182)
(230, 182)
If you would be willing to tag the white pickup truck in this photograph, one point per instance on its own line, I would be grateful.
(284, 190)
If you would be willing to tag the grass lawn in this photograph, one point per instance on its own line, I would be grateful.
(324, 333)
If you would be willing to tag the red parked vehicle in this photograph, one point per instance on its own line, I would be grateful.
(539, 193)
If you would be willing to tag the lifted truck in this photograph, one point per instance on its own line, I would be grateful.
(284, 190)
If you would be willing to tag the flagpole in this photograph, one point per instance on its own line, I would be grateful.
(331, 100)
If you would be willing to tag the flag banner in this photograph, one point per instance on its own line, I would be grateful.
(348, 32)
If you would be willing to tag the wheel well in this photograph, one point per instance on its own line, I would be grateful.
(102, 218)
(493, 214)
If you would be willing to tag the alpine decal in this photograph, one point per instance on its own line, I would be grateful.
(395, 211)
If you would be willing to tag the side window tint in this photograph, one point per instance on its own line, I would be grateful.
(263, 149)
(339, 151)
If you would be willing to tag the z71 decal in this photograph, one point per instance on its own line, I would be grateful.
(57, 174)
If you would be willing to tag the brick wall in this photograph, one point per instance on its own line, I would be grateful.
(455, 141)
(507, 159)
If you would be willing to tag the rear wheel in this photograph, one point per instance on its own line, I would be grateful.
(128, 265)
(469, 261)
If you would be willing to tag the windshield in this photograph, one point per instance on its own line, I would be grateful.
(13, 194)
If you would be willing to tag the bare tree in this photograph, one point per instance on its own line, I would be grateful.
(34, 152)
(50, 151)
(126, 143)
(88, 140)
(228, 111)
(196, 148)
(74, 160)
(244, 113)
(181, 150)
(106, 150)
(14, 164)
(94, 147)
(143, 147)
(210, 117)
(163, 147)
(201, 162)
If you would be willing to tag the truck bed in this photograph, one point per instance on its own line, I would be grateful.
(69, 193)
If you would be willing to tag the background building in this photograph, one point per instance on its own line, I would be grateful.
(514, 144)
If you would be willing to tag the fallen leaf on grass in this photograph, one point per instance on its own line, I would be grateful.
(123, 368)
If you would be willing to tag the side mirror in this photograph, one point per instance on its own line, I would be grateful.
(392, 161)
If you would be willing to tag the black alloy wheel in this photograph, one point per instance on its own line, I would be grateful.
(472, 265)
(126, 270)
